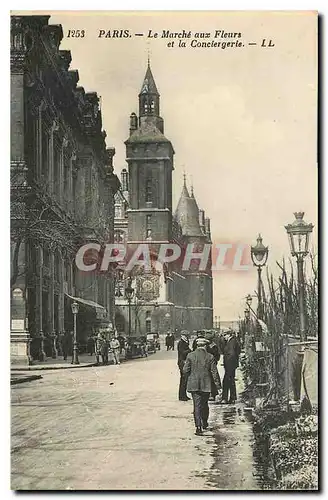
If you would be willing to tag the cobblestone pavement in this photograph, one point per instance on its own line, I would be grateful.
(122, 427)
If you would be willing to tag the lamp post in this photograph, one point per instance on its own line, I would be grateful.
(129, 291)
(157, 317)
(75, 358)
(215, 322)
(259, 254)
(299, 235)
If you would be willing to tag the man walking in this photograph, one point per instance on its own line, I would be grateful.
(183, 351)
(199, 367)
(231, 352)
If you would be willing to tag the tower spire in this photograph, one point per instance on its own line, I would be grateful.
(148, 57)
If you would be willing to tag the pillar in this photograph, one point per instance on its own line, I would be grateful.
(39, 305)
(52, 311)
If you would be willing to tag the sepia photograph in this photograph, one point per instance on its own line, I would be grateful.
(164, 251)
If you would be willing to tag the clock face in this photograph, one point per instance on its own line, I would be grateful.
(147, 285)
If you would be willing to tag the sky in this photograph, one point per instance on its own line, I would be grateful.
(242, 120)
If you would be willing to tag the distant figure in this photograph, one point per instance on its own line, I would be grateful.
(66, 344)
(115, 346)
(99, 342)
(172, 339)
(231, 352)
(199, 368)
(121, 340)
(183, 351)
(91, 345)
(213, 349)
(104, 350)
(168, 342)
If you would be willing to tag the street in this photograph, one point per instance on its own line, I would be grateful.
(122, 427)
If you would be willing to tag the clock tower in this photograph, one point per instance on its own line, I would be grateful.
(149, 155)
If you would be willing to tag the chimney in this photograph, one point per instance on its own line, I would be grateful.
(125, 180)
(133, 123)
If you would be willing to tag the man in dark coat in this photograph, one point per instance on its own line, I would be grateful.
(67, 344)
(200, 367)
(183, 351)
(231, 352)
(172, 338)
(168, 342)
(213, 349)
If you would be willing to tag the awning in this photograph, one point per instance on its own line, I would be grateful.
(89, 303)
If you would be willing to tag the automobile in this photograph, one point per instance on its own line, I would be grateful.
(136, 347)
(151, 342)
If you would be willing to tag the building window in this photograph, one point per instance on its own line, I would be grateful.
(119, 284)
(148, 321)
(148, 227)
(118, 211)
(148, 191)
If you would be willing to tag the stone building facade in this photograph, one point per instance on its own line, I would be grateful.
(167, 297)
(62, 194)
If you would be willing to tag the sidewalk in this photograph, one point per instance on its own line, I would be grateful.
(53, 364)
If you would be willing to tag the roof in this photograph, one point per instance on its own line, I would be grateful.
(149, 85)
(147, 132)
(187, 214)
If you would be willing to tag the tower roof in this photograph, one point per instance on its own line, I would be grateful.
(147, 132)
(149, 85)
(187, 213)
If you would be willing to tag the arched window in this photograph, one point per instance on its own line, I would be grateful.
(148, 321)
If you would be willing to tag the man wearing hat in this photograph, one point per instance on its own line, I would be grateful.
(199, 334)
(213, 349)
(231, 352)
(200, 368)
(183, 351)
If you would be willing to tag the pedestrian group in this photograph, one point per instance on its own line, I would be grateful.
(199, 374)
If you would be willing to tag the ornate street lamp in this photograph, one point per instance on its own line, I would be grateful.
(75, 358)
(299, 236)
(259, 254)
(129, 291)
